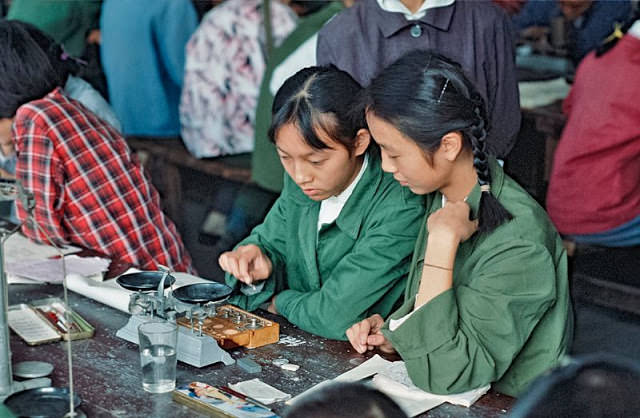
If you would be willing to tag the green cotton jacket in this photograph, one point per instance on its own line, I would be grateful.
(68, 22)
(508, 316)
(327, 280)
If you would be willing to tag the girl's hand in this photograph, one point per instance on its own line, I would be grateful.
(366, 335)
(247, 263)
(452, 221)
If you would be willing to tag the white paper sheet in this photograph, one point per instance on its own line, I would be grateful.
(50, 270)
(260, 391)
(392, 378)
(18, 247)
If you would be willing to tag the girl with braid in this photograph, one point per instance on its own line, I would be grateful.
(487, 295)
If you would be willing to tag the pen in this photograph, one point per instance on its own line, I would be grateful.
(243, 397)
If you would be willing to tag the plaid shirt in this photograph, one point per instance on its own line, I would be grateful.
(89, 189)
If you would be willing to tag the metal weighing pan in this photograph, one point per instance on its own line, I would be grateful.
(144, 281)
(202, 292)
(41, 402)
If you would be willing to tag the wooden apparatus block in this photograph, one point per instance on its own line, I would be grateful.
(233, 327)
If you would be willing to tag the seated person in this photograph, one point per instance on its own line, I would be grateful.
(594, 188)
(589, 21)
(345, 400)
(591, 386)
(487, 298)
(336, 245)
(88, 189)
(225, 61)
(143, 55)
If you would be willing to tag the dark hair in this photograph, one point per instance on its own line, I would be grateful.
(31, 63)
(593, 386)
(426, 96)
(319, 98)
(618, 33)
(307, 7)
(342, 400)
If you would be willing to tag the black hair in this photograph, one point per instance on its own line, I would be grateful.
(343, 400)
(319, 98)
(426, 96)
(618, 33)
(591, 386)
(307, 7)
(31, 63)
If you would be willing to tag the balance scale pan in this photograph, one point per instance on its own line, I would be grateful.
(144, 281)
(202, 292)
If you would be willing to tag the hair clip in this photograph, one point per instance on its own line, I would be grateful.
(64, 56)
(443, 89)
(485, 188)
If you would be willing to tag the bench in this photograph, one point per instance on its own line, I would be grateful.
(167, 158)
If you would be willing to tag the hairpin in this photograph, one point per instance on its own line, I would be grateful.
(443, 89)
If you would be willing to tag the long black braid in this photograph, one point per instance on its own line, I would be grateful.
(491, 212)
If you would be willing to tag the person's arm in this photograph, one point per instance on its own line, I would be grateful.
(172, 30)
(40, 172)
(503, 99)
(270, 238)
(467, 337)
(377, 264)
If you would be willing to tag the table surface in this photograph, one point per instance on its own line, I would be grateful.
(106, 369)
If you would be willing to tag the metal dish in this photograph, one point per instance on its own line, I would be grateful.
(41, 402)
(144, 281)
(202, 292)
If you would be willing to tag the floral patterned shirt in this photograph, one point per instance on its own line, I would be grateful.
(223, 71)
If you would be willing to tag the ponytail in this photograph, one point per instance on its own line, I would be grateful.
(491, 213)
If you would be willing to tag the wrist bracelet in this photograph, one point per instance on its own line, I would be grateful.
(438, 267)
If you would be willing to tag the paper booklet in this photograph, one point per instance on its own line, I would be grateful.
(392, 379)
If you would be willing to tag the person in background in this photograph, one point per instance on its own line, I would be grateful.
(297, 50)
(335, 246)
(225, 60)
(589, 21)
(87, 187)
(67, 22)
(345, 400)
(589, 386)
(594, 188)
(487, 298)
(75, 87)
(372, 34)
(143, 55)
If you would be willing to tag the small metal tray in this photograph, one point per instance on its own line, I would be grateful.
(144, 281)
(202, 292)
(41, 402)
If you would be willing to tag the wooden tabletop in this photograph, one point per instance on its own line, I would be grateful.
(106, 369)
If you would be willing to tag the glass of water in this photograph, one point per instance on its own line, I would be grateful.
(158, 343)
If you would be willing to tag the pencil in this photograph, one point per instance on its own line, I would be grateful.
(243, 397)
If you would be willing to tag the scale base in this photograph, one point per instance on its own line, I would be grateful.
(196, 350)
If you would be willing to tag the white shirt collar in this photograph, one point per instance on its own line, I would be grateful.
(634, 30)
(331, 207)
(396, 6)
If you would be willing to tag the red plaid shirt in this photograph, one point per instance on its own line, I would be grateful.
(89, 189)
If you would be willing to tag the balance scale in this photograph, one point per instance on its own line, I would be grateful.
(196, 301)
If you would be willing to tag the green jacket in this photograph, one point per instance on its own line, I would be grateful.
(354, 267)
(266, 170)
(65, 21)
(508, 317)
